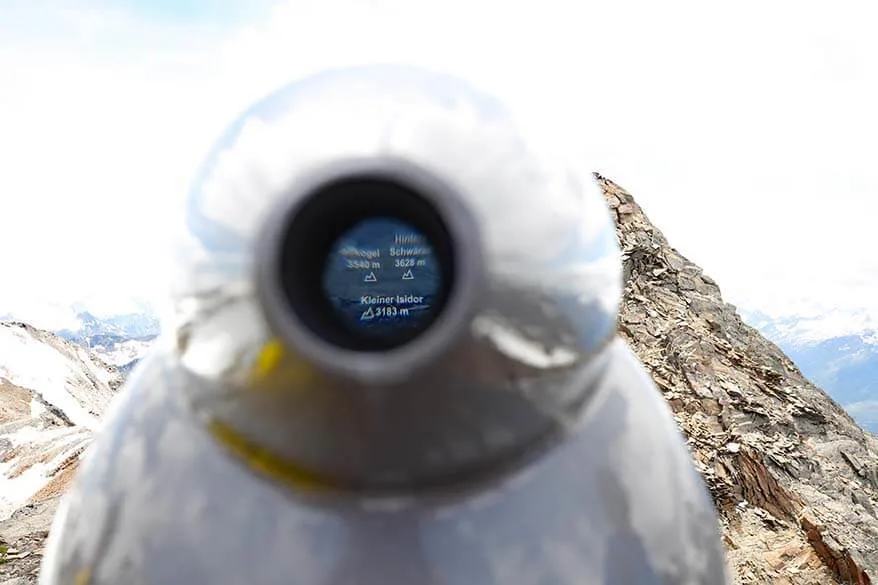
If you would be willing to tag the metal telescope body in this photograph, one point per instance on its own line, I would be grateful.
(392, 361)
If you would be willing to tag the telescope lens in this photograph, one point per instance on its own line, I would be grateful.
(366, 262)
(382, 279)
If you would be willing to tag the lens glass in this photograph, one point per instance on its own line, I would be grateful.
(383, 280)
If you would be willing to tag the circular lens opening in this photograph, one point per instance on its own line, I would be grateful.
(367, 263)
(382, 279)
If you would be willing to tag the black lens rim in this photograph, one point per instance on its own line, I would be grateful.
(458, 207)
(327, 214)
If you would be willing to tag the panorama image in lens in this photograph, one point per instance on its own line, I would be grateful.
(382, 279)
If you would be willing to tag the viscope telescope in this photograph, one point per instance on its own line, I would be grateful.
(391, 360)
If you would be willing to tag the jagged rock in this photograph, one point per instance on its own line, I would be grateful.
(794, 478)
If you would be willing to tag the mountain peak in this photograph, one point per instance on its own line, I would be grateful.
(794, 478)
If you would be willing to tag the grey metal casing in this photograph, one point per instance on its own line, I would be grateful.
(160, 503)
(516, 442)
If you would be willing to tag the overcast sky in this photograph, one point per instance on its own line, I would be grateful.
(749, 132)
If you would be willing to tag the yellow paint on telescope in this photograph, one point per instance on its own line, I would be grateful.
(267, 463)
(278, 370)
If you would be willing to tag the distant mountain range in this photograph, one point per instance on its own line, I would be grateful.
(112, 329)
(846, 367)
(120, 340)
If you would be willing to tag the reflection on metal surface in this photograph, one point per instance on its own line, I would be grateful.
(507, 442)
(516, 347)
(582, 514)
(552, 269)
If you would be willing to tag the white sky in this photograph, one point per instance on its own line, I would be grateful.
(748, 132)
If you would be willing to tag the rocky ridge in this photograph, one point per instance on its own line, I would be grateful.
(794, 478)
(52, 396)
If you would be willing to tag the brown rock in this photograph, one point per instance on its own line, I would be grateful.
(794, 478)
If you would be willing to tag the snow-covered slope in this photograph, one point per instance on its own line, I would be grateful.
(52, 395)
(119, 335)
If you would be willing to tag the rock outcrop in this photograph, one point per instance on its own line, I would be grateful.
(794, 478)
(52, 396)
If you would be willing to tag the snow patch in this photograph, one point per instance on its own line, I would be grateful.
(95, 368)
(61, 377)
(39, 455)
(37, 366)
(123, 353)
(37, 409)
(64, 375)
(15, 493)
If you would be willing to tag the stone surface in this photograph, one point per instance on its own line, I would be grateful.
(794, 478)
(23, 537)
